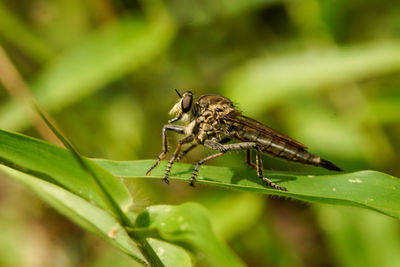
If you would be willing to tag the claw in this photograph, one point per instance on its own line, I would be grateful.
(165, 180)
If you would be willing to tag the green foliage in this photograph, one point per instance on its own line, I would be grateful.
(102, 57)
(81, 211)
(69, 188)
(323, 72)
(269, 77)
(59, 167)
(369, 189)
(372, 244)
(65, 185)
(187, 225)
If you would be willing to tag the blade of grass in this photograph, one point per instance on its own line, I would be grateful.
(86, 214)
(51, 163)
(103, 191)
(107, 196)
(369, 189)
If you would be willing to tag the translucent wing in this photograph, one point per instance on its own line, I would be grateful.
(237, 117)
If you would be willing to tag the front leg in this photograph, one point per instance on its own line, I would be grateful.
(185, 140)
(174, 128)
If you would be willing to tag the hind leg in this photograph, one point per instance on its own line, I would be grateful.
(261, 175)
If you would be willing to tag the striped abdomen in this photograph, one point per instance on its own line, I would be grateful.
(282, 148)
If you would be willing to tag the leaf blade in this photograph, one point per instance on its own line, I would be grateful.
(57, 165)
(82, 212)
(188, 225)
(368, 189)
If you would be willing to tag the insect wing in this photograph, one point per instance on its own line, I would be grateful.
(263, 129)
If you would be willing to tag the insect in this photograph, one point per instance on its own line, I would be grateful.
(213, 121)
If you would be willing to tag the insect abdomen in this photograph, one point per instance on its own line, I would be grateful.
(292, 152)
(286, 150)
(278, 148)
(283, 149)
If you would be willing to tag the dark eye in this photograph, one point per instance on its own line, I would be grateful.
(186, 103)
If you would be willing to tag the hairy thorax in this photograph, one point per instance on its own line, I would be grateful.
(209, 123)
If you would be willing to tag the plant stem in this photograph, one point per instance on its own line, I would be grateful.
(145, 248)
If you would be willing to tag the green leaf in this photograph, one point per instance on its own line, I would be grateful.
(104, 56)
(170, 254)
(82, 212)
(58, 166)
(228, 210)
(368, 189)
(189, 226)
(262, 82)
(62, 179)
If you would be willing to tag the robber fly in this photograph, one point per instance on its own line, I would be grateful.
(213, 121)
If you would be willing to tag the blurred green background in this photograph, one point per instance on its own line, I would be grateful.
(323, 72)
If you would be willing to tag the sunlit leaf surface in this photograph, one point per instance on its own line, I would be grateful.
(189, 226)
(82, 212)
(369, 189)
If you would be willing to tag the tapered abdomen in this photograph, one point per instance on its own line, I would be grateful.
(278, 147)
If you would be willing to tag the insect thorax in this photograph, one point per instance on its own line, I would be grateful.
(209, 122)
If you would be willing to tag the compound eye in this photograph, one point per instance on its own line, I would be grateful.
(186, 103)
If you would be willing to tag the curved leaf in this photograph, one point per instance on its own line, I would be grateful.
(66, 186)
(189, 226)
(58, 166)
(368, 189)
(82, 212)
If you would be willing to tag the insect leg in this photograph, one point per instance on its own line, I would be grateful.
(173, 128)
(229, 147)
(261, 175)
(185, 140)
(196, 169)
(248, 159)
(223, 149)
(247, 146)
(187, 150)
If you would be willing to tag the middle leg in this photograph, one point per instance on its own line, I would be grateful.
(201, 162)
(248, 159)
(187, 150)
